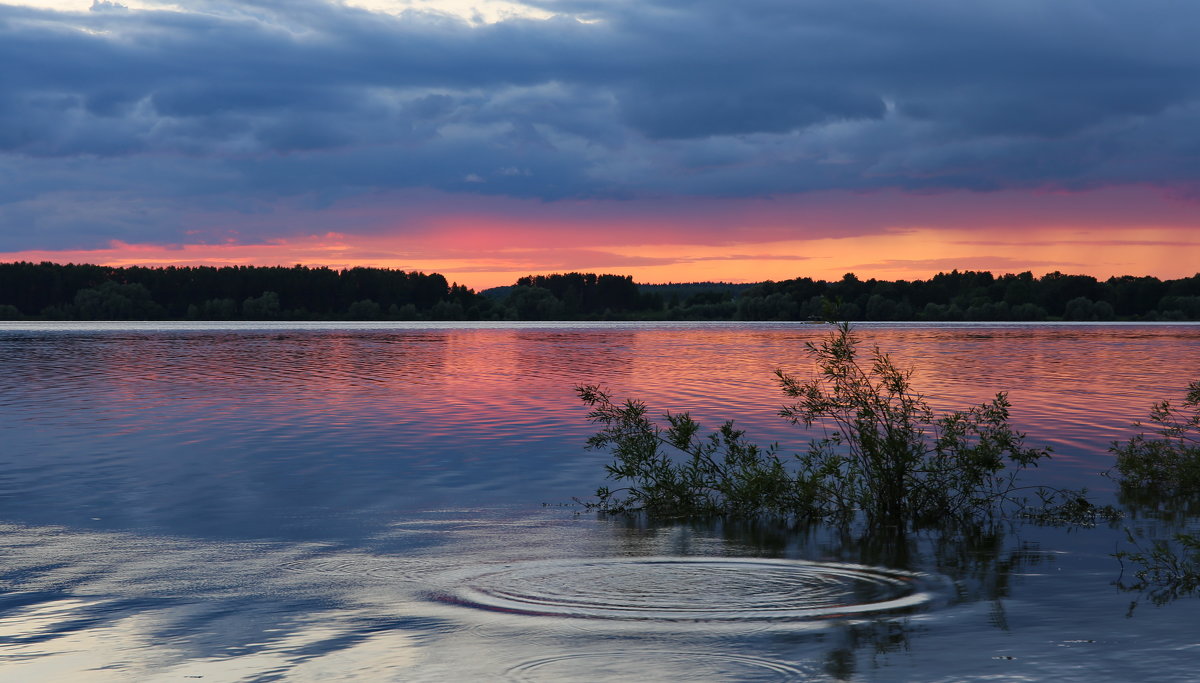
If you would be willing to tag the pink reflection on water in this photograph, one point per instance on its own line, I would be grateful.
(395, 415)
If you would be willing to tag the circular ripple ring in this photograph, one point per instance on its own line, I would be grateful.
(689, 589)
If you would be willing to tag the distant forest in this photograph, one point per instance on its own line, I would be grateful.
(49, 291)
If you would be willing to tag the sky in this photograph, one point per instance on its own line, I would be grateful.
(671, 140)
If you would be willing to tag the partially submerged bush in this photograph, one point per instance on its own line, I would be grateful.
(1165, 570)
(718, 473)
(1160, 479)
(1170, 461)
(884, 452)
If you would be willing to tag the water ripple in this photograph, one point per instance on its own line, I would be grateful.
(681, 666)
(691, 589)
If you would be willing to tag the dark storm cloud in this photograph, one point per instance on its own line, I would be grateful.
(198, 107)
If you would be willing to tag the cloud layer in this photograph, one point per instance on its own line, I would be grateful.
(140, 125)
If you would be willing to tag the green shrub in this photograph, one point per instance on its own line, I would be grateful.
(1170, 461)
(718, 474)
(884, 452)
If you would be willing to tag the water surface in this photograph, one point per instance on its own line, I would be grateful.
(394, 502)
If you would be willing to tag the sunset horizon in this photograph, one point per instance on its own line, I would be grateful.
(750, 242)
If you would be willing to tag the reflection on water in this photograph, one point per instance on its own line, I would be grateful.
(306, 502)
(302, 432)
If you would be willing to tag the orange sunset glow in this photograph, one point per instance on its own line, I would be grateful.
(918, 254)
(832, 235)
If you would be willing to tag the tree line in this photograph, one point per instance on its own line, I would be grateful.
(974, 295)
(49, 291)
(52, 291)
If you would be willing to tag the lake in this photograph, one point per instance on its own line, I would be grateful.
(395, 501)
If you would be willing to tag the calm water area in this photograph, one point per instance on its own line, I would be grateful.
(394, 502)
